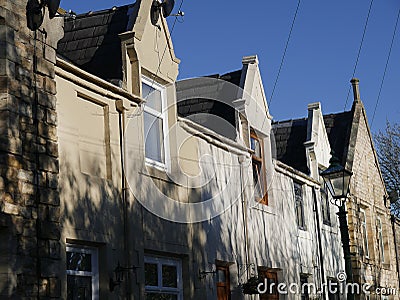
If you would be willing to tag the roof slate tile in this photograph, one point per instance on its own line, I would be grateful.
(91, 41)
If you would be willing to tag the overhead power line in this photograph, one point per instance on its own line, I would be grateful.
(359, 51)
(284, 53)
(386, 66)
(166, 47)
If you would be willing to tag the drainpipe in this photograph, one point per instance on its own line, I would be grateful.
(36, 171)
(244, 215)
(124, 191)
(393, 219)
(319, 242)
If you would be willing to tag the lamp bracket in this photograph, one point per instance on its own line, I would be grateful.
(203, 274)
(337, 202)
(119, 275)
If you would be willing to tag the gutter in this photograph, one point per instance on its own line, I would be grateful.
(213, 138)
(288, 170)
(91, 82)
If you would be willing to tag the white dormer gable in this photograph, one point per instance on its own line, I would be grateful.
(317, 145)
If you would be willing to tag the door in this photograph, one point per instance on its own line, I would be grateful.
(271, 277)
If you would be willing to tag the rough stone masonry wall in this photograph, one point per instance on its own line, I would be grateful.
(368, 192)
(397, 243)
(29, 197)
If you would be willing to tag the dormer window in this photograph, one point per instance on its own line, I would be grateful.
(259, 176)
(154, 123)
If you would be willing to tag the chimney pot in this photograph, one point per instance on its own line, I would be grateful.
(247, 60)
(356, 88)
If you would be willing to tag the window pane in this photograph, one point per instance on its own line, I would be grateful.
(152, 96)
(299, 216)
(298, 194)
(77, 261)
(257, 178)
(256, 147)
(221, 276)
(381, 246)
(325, 206)
(380, 236)
(365, 234)
(160, 296)
(79, 287)
(151, 274)
(298, 191)
(169, 276)
(154, 137)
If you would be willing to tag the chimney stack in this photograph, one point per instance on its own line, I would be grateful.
(356, 89)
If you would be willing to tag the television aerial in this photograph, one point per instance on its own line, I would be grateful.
(35, 12)
(165, 7)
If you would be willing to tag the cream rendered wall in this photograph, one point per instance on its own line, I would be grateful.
(273, 238)
(90, 186)
(318, 153)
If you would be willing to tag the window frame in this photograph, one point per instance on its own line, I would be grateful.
(364, 225)
(94, 274)
(163, 115)
(380, 239)
(164, 261)
(325, 207)
(299, 203)
(259, 160)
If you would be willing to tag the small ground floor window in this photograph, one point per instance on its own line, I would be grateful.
(163, 278)
(223, 282)
(82, 273)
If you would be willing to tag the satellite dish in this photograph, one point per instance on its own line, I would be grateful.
(155, 12)
(34, 14)
(167, 7)
(53, 6)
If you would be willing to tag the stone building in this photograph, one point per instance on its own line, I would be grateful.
(118, 182)
(30, 252)
(371, 235)
(369, 219)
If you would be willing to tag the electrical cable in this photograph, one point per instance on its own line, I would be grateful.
(383, 79)
(386, 66)
(284, 53)
(165, 50)
(359, 50)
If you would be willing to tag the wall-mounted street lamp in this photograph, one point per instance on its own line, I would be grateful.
(119, 273)
(203, 274)
(337, 179)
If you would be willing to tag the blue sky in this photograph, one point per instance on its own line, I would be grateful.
(320, 58)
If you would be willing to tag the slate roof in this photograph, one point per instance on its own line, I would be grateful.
(91, 40)
(232, 77)
(290, 137)
(338, 127)
(204, 109)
